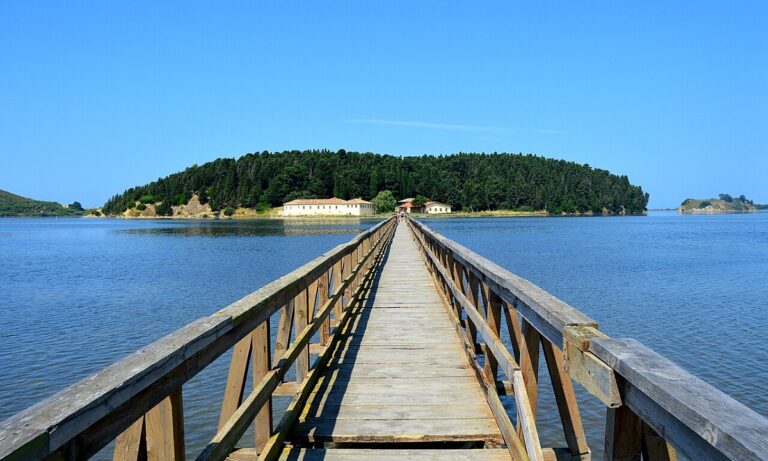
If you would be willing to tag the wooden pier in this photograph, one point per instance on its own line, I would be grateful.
(396, 343)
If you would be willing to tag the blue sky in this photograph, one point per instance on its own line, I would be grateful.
(96, 97)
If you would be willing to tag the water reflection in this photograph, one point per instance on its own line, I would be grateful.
(251, 228)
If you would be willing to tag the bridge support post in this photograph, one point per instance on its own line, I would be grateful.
(156, 436)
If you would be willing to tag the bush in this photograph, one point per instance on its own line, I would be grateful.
(229, 211)
(164, 208)
(148, 199)
(384, 202)
(141, 207)
(131, 204)
(75, 206)
(705, 204)
(180, 199)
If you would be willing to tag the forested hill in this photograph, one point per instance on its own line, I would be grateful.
(16, 205)
(466, 181)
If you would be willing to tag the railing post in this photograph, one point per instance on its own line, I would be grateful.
(565, 398)
(529, 362)
(301, 319)
(283, 331)
(493, 318)
(261, 364)
(325, 330)
(623, 435)
(156, 436)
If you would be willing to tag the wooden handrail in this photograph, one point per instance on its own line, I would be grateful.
(80, 420)
(650, 400)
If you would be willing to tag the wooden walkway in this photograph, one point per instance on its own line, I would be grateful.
(405, 327)
(399, 379)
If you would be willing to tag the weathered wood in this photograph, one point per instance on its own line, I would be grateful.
(529, 363)
(655, 448)
(128, 445)
(236, 379)
(273, 447)
(406, 400)
(301, 320)
(225, 439)
(261, 365)
(565, 397)
(697, 419)
(595, 375)
(164, 428)
(623, 435)
(514, 444)
(86, 416)
(284, 326)
(357, 454)
(555, 313)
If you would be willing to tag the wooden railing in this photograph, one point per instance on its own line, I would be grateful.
(654, 408)
(138, 400)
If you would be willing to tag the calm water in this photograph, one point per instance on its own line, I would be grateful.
(78, 294)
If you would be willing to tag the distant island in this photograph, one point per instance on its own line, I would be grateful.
(16, 205)
(471, 183)
(725, 203)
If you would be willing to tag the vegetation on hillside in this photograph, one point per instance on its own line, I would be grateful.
(725, 203)
(466, 181)
(16, 205)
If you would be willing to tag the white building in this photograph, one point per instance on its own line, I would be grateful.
(327, 206)
(436, 207)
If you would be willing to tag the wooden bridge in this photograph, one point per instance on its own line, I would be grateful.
(395, 339)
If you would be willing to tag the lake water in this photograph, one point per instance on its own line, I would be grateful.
(79, 294)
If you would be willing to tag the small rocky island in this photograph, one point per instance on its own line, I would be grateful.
(724, 204)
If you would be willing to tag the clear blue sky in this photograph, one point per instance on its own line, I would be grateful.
(96, 97)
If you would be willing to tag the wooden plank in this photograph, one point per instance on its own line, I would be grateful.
(357, 454)
(334, 411)
(261, 365)
(164, 427)
(274, 446)
(514, 444)
(301, 320)
(529, 363)
(129, 443)
(510, 287)
(623, 435)
(398, 430)
(236, 379)
(224, 441)
(692, 415)
(565, 397)
(284, 324)
(595, 375)
(655, 448)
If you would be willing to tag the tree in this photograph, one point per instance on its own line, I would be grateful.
(419, 201)
(477, 181)
(384, 202)
(164, 208)
(726, 198)
(229, 211)
(76, 206)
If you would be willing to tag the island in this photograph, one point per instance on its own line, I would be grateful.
(261, 184)
(725, 203)
(16, 205)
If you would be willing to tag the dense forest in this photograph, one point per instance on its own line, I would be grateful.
(467, 181)
(16, 205)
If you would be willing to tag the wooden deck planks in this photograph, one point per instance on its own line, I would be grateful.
(400, 374)
(295, 454)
